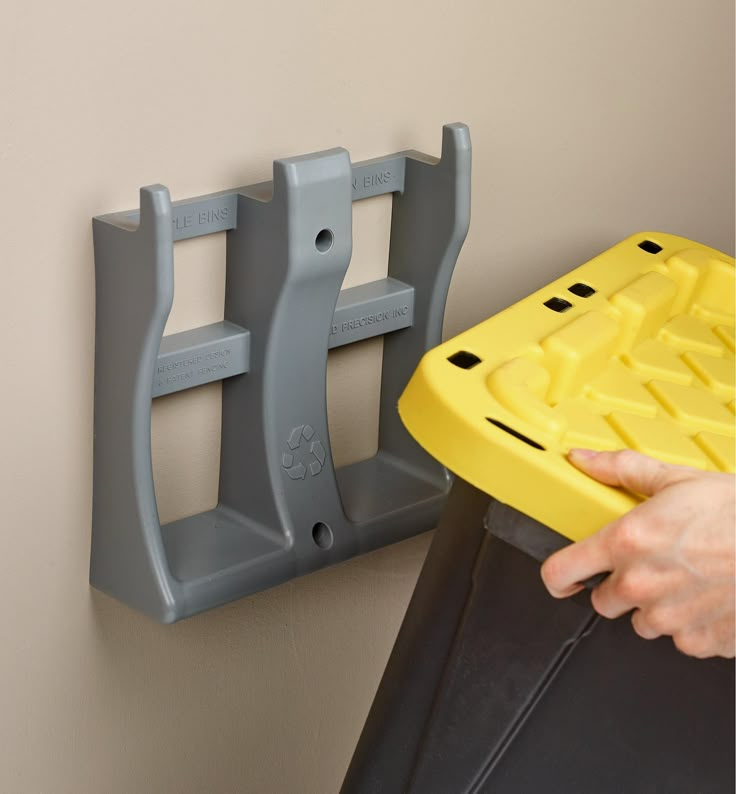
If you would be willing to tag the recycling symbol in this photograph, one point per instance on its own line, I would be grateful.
(305, 453)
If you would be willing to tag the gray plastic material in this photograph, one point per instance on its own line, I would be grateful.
(199, 356)
(283, 509)
(375, 308)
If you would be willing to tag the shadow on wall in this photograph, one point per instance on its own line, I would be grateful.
(264, 675)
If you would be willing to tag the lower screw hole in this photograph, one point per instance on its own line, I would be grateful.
(323, 241)
(322, 535)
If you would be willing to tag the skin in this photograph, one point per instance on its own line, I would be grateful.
(671, 558)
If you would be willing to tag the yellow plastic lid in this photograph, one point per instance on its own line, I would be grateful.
(632, 349)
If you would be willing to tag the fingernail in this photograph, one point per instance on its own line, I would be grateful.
(582, 454)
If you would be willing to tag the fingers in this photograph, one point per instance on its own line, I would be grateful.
(631, 470)
(563, 572)
(611, 549)
(612, 598)
(642, 627)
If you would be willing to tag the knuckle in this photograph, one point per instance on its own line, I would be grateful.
(632, 587)
(659, 620)
(692, 643)
(640, 625)
(551, 568)
(628, 535)
(624, 458)
(601, 604)
(551, 573)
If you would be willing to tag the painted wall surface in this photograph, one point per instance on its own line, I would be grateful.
(590, 120)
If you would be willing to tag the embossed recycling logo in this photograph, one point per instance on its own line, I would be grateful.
(305, 454)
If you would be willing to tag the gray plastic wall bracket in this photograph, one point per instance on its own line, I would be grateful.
(284, 509)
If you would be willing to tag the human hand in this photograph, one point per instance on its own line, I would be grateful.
(671, 558)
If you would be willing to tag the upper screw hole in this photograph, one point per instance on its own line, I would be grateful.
(322, 535)
(323, 241)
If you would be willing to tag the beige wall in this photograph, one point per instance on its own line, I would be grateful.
(589, 119)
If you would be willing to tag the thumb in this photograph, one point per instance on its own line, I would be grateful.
(631, 470)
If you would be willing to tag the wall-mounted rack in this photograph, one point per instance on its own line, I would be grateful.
(284, 509)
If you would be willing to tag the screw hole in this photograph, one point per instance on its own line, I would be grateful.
(650, 246)
(463, 359)
(581, 290)
(322, 535)
(323, 241)
(558, 304)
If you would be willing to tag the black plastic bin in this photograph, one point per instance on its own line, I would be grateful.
(493, 686)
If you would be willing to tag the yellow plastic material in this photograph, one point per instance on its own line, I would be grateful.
(646, 362)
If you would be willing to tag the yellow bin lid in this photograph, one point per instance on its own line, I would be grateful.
(632, 349)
